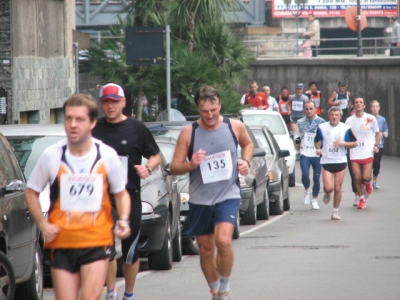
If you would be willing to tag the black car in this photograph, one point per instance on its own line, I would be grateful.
(278, 187)
(160, 239)
(21, 273)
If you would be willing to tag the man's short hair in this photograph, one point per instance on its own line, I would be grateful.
(252, 82)
(284, 88)
(83, 100)
(374, 101)
(207, 93)
(311, 83)
(335, 108)
(308, 102)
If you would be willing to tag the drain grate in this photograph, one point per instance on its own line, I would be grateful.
(387, 257)
(305, 247)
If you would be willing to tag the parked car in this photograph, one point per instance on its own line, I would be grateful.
(21, 272)
(254, 196)
(278, 187)
(160, 231)
(275, 123)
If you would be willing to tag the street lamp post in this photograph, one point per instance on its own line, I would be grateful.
(359, 40)
(296, 12)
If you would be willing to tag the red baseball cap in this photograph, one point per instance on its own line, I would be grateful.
(111, 91)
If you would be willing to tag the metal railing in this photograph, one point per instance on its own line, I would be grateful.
(293, 47)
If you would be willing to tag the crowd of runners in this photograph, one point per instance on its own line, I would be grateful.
(350, 137)
(94, 176)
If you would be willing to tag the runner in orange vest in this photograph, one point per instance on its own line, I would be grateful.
(314, 95)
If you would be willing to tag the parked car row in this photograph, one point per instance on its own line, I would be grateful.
(165, 198)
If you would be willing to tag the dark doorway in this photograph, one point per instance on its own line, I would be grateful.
(341, 33)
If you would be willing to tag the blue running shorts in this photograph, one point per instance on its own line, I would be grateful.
(203, 218)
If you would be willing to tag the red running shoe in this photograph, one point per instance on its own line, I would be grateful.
(361, 204)
(368, 188)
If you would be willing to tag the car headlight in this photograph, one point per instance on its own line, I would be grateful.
(147, 208)
(184, 197)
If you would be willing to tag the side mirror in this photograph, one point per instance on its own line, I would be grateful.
(258, 152)
(167, 169)
(284, 153)
(15, 185)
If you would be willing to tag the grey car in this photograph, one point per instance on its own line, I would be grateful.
(21, 273)
(160, 239)
(278, 187)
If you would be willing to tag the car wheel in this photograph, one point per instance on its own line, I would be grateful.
(162, 260)
(250, 216)
(33, 288)
(190, 246)
(177, 245)
(286, 202)
(262, 208)
(236, 232)
(7, 278)
(292, 178)
(276, 208)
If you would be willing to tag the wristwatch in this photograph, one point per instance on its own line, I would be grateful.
(149, 169)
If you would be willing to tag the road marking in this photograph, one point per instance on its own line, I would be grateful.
(274, 219)
(121, 282)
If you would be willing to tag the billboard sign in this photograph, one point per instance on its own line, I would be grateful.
(334, 8)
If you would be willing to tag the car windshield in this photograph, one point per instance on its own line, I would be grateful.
(262, 140)
(28, 149)
(273, 122)
(174, 133)
(167, 150)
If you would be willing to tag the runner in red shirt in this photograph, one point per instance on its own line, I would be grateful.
(256, 99)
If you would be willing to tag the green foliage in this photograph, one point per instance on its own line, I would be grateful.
(217, 56)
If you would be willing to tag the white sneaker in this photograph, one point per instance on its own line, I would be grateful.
(335, 216)
(327, 198)
(314, 204)
(356, 201)
(307, 198)
(112, 295)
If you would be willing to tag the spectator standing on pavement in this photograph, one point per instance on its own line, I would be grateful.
(297, 100)
(210, 144)
(384, 131)
(131, 140)
(313, 32)
(285, 105)
(395, 34)
(256, 99)
(335, 137)
(272, 104)
(366, 130)
(341, 98)
(315, 95)
(304, 141)
(77, 234)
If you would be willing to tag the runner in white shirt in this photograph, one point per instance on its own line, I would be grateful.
(272, 104)
(366, 130)
(335, 137)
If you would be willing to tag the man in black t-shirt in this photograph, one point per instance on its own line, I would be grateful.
(132, 140)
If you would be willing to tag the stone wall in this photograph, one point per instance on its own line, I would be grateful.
(41, 84)
(5, 52)
(42, 66)
(368, 77)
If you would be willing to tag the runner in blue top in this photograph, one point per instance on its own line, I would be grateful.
(383, 128)
(304, 141)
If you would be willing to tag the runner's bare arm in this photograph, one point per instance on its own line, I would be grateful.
(244, 140)
(332, 99)
(153, 162)
(123, 202)
(49, 231)
(179, 165)
(317, 148)
(377, 141)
